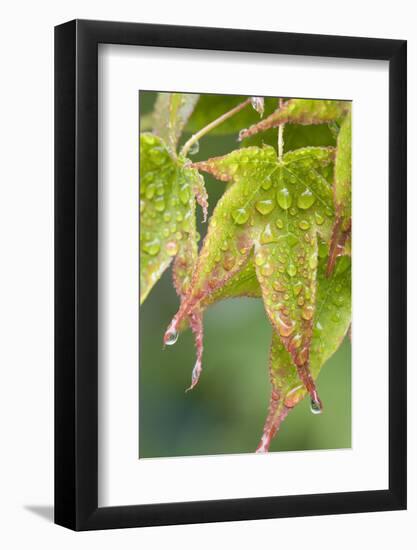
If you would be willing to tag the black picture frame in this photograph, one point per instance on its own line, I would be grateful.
(76, 272)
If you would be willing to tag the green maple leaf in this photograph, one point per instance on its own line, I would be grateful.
(281, 209)
(342, 192)
(331, 323)
(317, 112)
(167, 214)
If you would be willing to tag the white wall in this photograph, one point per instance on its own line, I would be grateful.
(26, 291)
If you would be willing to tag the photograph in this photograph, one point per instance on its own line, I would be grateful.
(245, 274)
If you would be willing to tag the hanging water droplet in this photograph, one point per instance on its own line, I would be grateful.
(304, 225)
(285, 327)
(264, 207)
(242, 134)
(315, 406)
(306, 199)
(284, 198)
(171, 336)
(151, 247)
(240, 216)
(258, 104)
(184, 194)
(194, 149)
(171, 248)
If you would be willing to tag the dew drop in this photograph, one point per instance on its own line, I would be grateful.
(184, 194)
(240, 216)
(296, 340)
(171, 336)
(297, 288)
(315, 406)
(264, 207)
(258, 104)
(152, 247)
(171, 248)
(228, 261)
(260, 259)
(307, 313)
(278, 286)
(194, 149)
(304, 225)
(306, 199)
(319, 218)
(284, 198)
(267, 236)
(279, 223)
(285, 327)
(167, 216)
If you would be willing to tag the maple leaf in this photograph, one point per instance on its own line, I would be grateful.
(331, 323)
(342, 192)
(167, 214)
(278, 209)
(313, 112)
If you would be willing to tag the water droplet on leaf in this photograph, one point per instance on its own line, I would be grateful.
(264, 207)
(171, 248)
(284, 198)
(151, 247)
(240, 216)
(306, 199)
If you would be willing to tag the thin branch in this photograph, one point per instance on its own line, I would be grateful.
(194, 138)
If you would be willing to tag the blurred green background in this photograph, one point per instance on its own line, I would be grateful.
(226, 411)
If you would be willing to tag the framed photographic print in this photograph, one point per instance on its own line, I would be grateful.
(242, 195)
